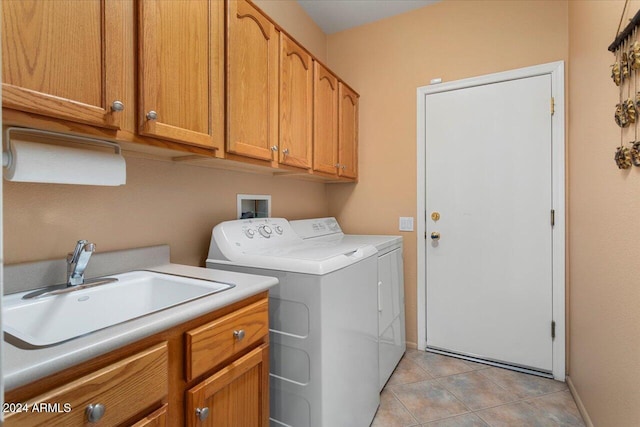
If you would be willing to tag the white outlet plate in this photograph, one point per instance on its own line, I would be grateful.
(406, 223)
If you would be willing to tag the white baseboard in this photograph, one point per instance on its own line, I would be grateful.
(579, 404)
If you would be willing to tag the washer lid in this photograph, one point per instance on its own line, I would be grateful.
(245, 243)
(307, 259)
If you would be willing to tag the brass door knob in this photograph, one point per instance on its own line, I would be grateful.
(435, 236)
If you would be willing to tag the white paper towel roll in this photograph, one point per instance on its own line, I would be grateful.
(35, 162)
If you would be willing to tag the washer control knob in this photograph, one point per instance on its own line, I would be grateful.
(278, 229)
(249, 233)
(265, 231)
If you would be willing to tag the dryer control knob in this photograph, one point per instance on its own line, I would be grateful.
(265, 231)
(278, 229)
(249, 233)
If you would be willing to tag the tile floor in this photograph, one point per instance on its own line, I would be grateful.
(431, 390)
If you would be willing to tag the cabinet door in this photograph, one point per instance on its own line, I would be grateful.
(180, 61)
(235, 396)
(325, 120)
(296, 104)
(64, 59)
(252, 82)
(347, 132)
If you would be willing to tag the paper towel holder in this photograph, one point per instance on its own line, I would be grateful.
(6, 152)
(110, 169)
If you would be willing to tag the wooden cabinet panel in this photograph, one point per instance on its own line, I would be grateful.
(64, 59)
(325, 120)
(252, 82)
(155, 419)
(180, 65)
(236, 396)
(347, 132)
(214, 342)
(296, 104)
(125, 388)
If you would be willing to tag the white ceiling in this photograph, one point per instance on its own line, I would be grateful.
(338, 15)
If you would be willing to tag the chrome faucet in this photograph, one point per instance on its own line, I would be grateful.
(77, 262)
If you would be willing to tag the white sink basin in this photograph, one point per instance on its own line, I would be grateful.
(49, 320)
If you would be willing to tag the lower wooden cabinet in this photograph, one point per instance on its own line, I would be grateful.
(108, 397)
(235, 396)
(155, 419)
(147, 383)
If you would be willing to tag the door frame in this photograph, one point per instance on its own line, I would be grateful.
(556, 70)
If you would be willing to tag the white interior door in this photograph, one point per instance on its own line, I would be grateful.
(489, 176)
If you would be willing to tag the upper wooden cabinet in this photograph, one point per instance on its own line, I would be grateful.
(325, 119)
(252, 82)
(347, 132)
(296, 104)
(64, 59)
(180, 70)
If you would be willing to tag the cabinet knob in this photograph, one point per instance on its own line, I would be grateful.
(202, 413)
(337, 165)
(117, 106)
(274, 148)
(239, 334)
(343, 167)
(152, 115)
(285, 151)
(95, 412)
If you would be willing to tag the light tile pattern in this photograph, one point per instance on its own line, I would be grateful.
(430, 390)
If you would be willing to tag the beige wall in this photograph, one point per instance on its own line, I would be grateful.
(162, 202)
(604, 234)
(388, 60)
(294, 19)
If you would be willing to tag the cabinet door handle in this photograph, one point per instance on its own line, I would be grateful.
(117, 106)
(285, 151)
(343, 167)
(274, 148)
(152, 115)
(202, 413)
(95, 412)
(337, 165)
(239, 334)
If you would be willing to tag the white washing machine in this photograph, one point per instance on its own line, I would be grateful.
(391, 327)
(323, 320)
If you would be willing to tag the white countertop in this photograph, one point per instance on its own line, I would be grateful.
(23, 366)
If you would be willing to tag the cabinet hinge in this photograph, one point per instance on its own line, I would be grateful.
(553, 217)
(553, 105)
(553, 329)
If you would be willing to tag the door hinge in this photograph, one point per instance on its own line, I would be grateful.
(425, 235)
(553, 105)
(553, 217)
(553, 329)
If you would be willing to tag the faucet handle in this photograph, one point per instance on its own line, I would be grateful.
(72, 258)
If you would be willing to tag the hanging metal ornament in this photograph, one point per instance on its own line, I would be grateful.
(634, 55)
(630, 110)
(615, 73)
(624, 67)
(623, 158)
(635, 153)
(621, 116)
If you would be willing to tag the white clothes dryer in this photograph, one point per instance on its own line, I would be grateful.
(322, 319)
(391, 327)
